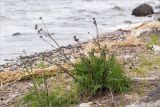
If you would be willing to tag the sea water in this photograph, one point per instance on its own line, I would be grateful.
(64, 18)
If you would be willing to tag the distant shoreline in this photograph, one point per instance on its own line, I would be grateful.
(54, 55)
(15, 64)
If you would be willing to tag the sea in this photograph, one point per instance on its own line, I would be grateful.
(63, 18)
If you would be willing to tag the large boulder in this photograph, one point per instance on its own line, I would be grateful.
(151, 100)
(157, 7)
(143, 10)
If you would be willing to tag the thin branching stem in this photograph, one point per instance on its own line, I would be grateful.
(97, 33)
(47, 42)
(111, 95)
(46, 87)
(32, 78)
(95, 23)
(60, 49)
(65, 70)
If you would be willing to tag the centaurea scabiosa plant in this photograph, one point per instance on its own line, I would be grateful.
(45, 35)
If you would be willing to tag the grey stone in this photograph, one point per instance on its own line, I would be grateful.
(143, 10)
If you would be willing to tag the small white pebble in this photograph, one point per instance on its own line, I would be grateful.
(85, 104)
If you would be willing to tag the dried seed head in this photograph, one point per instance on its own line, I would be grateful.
(41, 36)
(39, 31)
(36, 27)
(94, 21)
(75, 39)
(24, 52)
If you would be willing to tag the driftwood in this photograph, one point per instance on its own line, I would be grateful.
(11, 76)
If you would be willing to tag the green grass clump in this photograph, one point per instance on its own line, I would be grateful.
(96, 74)
(55, 96)
(147, 63)
(155, 40)
(91, 75)
(59, 97)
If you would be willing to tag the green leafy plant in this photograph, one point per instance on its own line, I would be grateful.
(92, 74)
(43, 97)
(155, 40)
(97, 74)
(147, 62)
(59, 97)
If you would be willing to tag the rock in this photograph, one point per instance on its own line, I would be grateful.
(151, 100)
(157, 7)
(157, 16)
(86, 104)
(143, 10)
(156, 49)
(16, 34)
(117, 8)
(143, 104)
